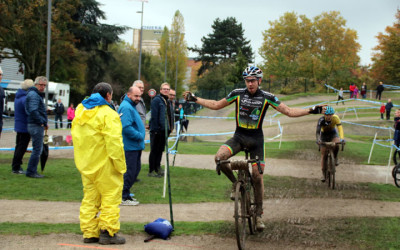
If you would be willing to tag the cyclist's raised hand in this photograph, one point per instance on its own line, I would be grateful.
(189, 96)
(316, 109)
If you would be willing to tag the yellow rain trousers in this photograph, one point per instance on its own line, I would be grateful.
(99, 157)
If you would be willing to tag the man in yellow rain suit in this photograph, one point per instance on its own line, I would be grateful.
(99, 157)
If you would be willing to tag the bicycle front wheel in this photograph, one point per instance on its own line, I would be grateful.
(331, 171)
(251, 208)
(240, 215)
(396, 176)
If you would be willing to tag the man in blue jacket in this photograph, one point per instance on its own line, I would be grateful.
(133, 133)
(37, 123)
(21, 127)
(159, 109)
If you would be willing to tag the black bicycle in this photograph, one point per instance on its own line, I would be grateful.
(396, 168)
(245, 206)
(330, 173)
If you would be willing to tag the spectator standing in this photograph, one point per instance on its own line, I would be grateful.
(396, 136)
(133, 133)
(379, 90)
(37, 123)
(59, 111)
(388, 108)
(70, 114)
(355, 92)
(340, 96)
(99, 157)
(171, 99)
(382, 110)
(2, 95)
(141, 106)
(159, 123)
(351, 88)
(364, 90)
(21, 127)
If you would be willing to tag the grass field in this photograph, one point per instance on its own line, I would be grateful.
(63, 183)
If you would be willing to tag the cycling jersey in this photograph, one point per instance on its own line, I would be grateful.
(326, 130)
(251, 109)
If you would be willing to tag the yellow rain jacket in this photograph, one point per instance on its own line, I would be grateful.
(99, 156)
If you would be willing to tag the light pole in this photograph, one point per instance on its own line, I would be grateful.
(48, 52)
(140, 41)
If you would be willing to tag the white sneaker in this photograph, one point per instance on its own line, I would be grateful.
(129, 203)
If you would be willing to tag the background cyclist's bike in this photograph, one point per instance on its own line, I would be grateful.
(245, 206)
(396, 168)
(330, 173)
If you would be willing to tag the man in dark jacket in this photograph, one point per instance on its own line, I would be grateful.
(388, 107)
(37, 123)
(21, 127)
(379, 90)
(59, 111)
(159, 122)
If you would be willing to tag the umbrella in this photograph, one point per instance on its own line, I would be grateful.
(45, 151)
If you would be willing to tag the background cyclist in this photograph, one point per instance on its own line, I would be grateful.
(326, 132)
(251, 105)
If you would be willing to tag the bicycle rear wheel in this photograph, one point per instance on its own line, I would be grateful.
(240, 215)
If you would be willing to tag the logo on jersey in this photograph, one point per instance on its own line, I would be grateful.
(255, 114)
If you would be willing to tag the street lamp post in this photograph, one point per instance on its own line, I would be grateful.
(140, 41)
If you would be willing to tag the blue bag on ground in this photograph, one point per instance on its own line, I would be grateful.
(160, 228)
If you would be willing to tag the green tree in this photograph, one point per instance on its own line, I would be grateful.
(284, 43)
(78, 40)
(324, 48)
(223, 44)
(174, 47)
(23, 30)
(386, 60)
(335, 46)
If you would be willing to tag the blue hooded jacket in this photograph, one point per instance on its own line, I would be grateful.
(20, 117)
(35, 108)
(133, 131)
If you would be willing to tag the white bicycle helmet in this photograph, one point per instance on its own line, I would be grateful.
(252, 71)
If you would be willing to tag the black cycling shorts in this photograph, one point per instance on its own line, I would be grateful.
(254, 143)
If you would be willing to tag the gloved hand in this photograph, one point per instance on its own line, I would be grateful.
(315, 110)
(189, 96)
(318, 142)
(343, 141)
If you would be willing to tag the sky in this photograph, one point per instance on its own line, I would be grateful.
(367, 17)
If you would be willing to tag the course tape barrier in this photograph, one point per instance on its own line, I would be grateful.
(369, 126)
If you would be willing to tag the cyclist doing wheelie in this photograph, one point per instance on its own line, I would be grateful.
(251, 105)
(326, 132)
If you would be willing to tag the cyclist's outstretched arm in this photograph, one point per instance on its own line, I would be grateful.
(296, 112)
(211, 104)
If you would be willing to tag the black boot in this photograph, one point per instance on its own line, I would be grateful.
(106, 239)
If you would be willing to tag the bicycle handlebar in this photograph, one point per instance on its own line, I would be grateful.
(331, 144)
(238, 164)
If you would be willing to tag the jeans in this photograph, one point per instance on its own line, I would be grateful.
(133, 166)
(58, 117)
(22, 141)
(36, 132)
